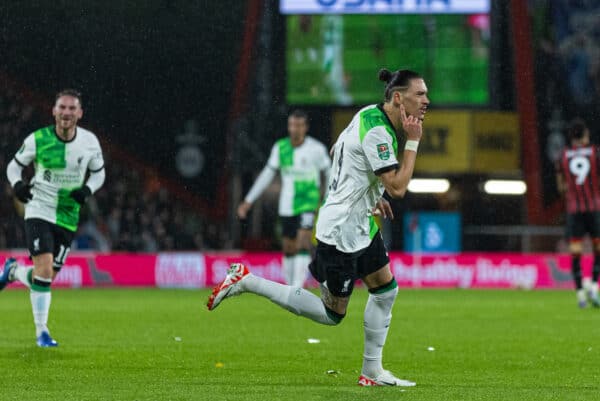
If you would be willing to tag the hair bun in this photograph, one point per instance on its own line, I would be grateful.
(385, 75)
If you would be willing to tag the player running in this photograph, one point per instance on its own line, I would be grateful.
(62, 155)
(350, 246)
(303, 162)
(578, 179)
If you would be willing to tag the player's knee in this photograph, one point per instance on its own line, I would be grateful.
(575, 248)
(42, 264)
(304, 245)
(290, 249)
(43, 271)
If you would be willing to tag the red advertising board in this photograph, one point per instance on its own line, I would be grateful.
(201, 270)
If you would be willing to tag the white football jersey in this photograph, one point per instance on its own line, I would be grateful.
(300, 169)
(60, 167)
(366, 148)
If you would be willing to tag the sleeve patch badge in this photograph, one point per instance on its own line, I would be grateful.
(383, 151)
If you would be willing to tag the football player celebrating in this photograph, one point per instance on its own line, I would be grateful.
(350, 246)
(303, 163)
(62, 155)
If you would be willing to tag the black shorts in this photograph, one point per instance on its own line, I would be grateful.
(580, 224)
(291, 224)
(338, 270)
(45, 237)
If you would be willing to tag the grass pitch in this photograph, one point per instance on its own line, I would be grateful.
(164, 345)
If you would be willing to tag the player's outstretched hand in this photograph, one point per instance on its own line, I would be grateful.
(412, 125)
(243, 210)
(383, 208)
(81, 194)
(23, 191)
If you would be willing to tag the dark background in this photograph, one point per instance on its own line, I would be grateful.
(144, 68)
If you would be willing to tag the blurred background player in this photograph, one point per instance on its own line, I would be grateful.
(62, 156)
(350, 246)
(578, 179)
(304, 165)
(333, 58)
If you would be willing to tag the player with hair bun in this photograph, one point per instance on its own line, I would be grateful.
(349, 246)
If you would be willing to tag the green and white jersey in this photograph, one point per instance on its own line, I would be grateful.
(365, 149)
(300, 168)
(60, 167)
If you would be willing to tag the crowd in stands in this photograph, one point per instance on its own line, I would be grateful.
(15, 118)
(134, 218)
(124, 215)
(568, 37)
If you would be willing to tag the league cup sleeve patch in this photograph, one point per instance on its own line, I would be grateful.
(383, 151)
(378, 149)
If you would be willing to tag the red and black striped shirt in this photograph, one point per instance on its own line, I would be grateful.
(579, 168)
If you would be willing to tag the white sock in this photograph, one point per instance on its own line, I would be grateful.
(22, 274)
(288, 268)
(378, 314)
(301, 262)
(295, 300)
(594, 290)
(581, 297)
(41, 297)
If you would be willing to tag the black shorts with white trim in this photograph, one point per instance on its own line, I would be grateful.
(339, 270)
